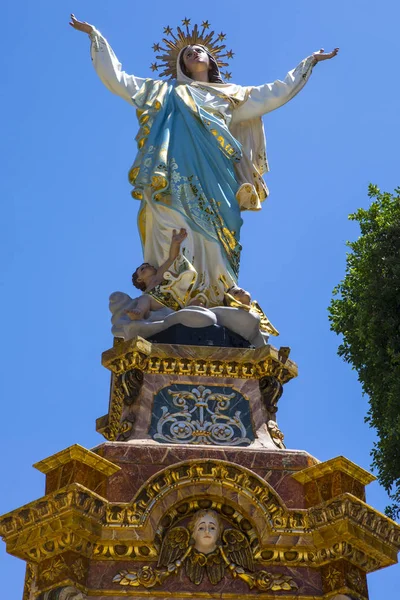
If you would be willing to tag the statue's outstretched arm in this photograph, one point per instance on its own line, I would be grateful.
(109, 69)
(107, 65)
(268, 97)
(265, 98)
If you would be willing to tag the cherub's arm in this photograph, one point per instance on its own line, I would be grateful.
(107, 65)
(174, 249)
(266, 98)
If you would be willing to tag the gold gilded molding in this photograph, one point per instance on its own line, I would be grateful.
(110, 425)
(339, 463)
(30, 578)
(242, 363)
(121, 550)
(223, 596)
(75, 518)
(292, 556)
(68, 519)
(341, 577)
(227, 475)
(304, 556)
(79, 454)
(125, 356)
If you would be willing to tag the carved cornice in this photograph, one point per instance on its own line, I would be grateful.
(226, 476)
(80, 454)
(70, 518)
(339, 463)
(357, 523)
(77, 519)
(293, 556)
(242, 363)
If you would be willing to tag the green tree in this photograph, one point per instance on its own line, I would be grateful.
(365, 310)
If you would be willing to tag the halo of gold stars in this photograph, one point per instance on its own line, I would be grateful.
(168, 50)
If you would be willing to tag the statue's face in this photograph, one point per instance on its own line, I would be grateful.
(205, 534)
(240, 295)
(196, 59)
(145, 270)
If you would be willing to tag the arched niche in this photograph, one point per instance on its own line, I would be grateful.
(239, 487)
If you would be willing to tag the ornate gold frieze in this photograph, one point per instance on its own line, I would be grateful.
(75, 518)
(66, 567)
(242, 363)
(120, 550)
(206, 549)
(341, 577)
(295, 556)
(69, 519)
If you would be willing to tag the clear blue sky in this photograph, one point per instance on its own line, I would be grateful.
(68, 229)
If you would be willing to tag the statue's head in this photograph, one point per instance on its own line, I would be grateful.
(141, 276)
(198, 58)
(205, 528)
(239, 294)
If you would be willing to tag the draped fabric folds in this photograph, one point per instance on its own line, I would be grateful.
(201, 157)
(186, 162)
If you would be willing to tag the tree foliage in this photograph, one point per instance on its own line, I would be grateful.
(365, 310)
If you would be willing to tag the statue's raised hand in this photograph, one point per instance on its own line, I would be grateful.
(322, 55)
(80, 25)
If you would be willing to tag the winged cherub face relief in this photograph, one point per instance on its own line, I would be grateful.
(206, 531)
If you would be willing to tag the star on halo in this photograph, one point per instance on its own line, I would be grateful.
(168, 50)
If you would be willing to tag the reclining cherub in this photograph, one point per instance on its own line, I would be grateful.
(171, 295)
(169, 285)
(237, 297)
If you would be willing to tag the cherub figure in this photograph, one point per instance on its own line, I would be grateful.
(204, 547)
(169, 285)
(237, 297)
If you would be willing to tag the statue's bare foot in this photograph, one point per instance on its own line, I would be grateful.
(135, 314)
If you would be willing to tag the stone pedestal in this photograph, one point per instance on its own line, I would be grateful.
(192, 434)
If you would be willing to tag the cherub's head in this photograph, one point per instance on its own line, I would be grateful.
(240, 294)
(142, 276)
(205, 529)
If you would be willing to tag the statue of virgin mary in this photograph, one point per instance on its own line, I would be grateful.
(201, 152)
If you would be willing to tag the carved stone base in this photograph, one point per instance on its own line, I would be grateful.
(198, 497)
(287, 525)
(196, 395)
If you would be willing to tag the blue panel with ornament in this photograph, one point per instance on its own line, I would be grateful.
(213, 415)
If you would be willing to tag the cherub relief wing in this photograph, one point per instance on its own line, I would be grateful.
(237, 548)
(198, 563)
(215, 567)
(174, 546)
(195, 567)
